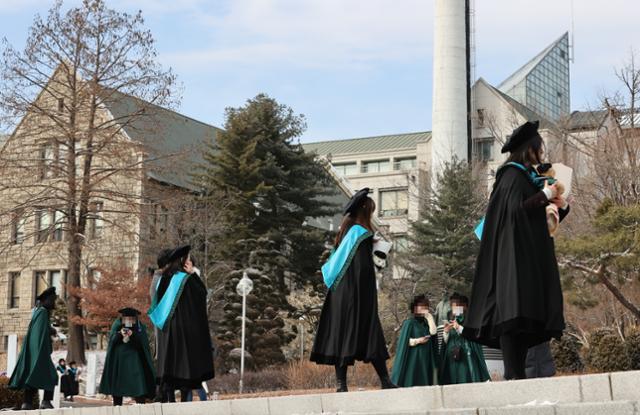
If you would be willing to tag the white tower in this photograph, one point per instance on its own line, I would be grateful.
(451, 79)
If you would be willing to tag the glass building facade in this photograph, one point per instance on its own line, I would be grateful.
(543, 83)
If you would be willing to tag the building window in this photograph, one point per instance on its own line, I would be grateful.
(483, 149)
(54, 278)
(58, 225)
(97, 219)
(405, 163)
(480, 118)
(47, 160)
(400, 244)
(17, 229)
(43, 225)
(60, 105)
(376, 166)
(163, 220)
(394, 202)
(14, 290)
(346, 169)
(41, 283)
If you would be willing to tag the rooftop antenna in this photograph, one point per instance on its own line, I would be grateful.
(572, 52)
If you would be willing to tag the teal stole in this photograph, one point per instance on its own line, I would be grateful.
(161, 311)
(333, 270)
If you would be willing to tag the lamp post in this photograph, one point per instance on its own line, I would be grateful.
(244, 287)
(301, 319)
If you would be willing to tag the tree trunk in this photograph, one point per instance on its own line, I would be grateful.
(75, 345)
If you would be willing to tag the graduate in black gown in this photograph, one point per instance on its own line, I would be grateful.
(179, 311)
(516, 299)
(349, 327)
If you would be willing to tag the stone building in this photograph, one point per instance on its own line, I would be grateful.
(141, 175)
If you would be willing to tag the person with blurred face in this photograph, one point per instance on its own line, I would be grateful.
(128, 368)
(416, 360)
(462, 360)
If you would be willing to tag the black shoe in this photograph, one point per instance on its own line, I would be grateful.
(26, 407)
(342, 387)
(385, 383)
(46, 405)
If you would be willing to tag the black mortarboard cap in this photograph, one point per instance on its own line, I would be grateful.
(163, 258)
(129, 312)
(179, 252)
(356, 201)
(46, 293)
(521, 135)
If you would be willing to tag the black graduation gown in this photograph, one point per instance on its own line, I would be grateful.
(516, 287)
(185, 355)
(349, 327)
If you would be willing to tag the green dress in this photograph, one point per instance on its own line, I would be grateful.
(34, 368)
(128, 369)
(417, 365)
(469, 366)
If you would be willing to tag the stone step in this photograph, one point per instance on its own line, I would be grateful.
(609, 394)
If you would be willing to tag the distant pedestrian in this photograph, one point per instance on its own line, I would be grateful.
(34, 369)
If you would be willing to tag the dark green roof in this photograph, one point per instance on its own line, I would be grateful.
(368, 144)
(176, 142)
(586, 120)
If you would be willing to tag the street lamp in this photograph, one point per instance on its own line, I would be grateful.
(244, 287)
(301, 319)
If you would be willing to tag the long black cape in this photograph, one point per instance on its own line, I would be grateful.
(516, 287)
(185, 355)
(349, 327)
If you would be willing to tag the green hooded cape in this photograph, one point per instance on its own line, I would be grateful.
(417, 365)
(34, 368)
(470, 368)
(128, 368)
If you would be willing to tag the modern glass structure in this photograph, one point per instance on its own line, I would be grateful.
(542, 84)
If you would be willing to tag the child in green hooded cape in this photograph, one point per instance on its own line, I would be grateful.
(462, 360)
(416, 360)
(128, 368)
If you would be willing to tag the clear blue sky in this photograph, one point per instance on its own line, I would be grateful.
(356, 67)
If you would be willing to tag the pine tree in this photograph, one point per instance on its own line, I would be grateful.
(443, 247)
(272, 187)
(271, 184)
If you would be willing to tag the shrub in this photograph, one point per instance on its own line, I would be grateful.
(308, 375)
(10, 398)
(566, 354)
(632, 349)
(265, 380)
(606, 352)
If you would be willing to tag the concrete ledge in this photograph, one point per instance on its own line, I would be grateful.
(625, 386)
(597, 408)
(499, 394)
(596, 388)
(609, 394)
(296, 404)
(402, 400)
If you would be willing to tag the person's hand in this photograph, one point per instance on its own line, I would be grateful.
(424, 339)
(560, 202)
(447, 327)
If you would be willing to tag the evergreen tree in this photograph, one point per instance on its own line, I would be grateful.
(271, 184)
(443, 246)
(271, 187)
